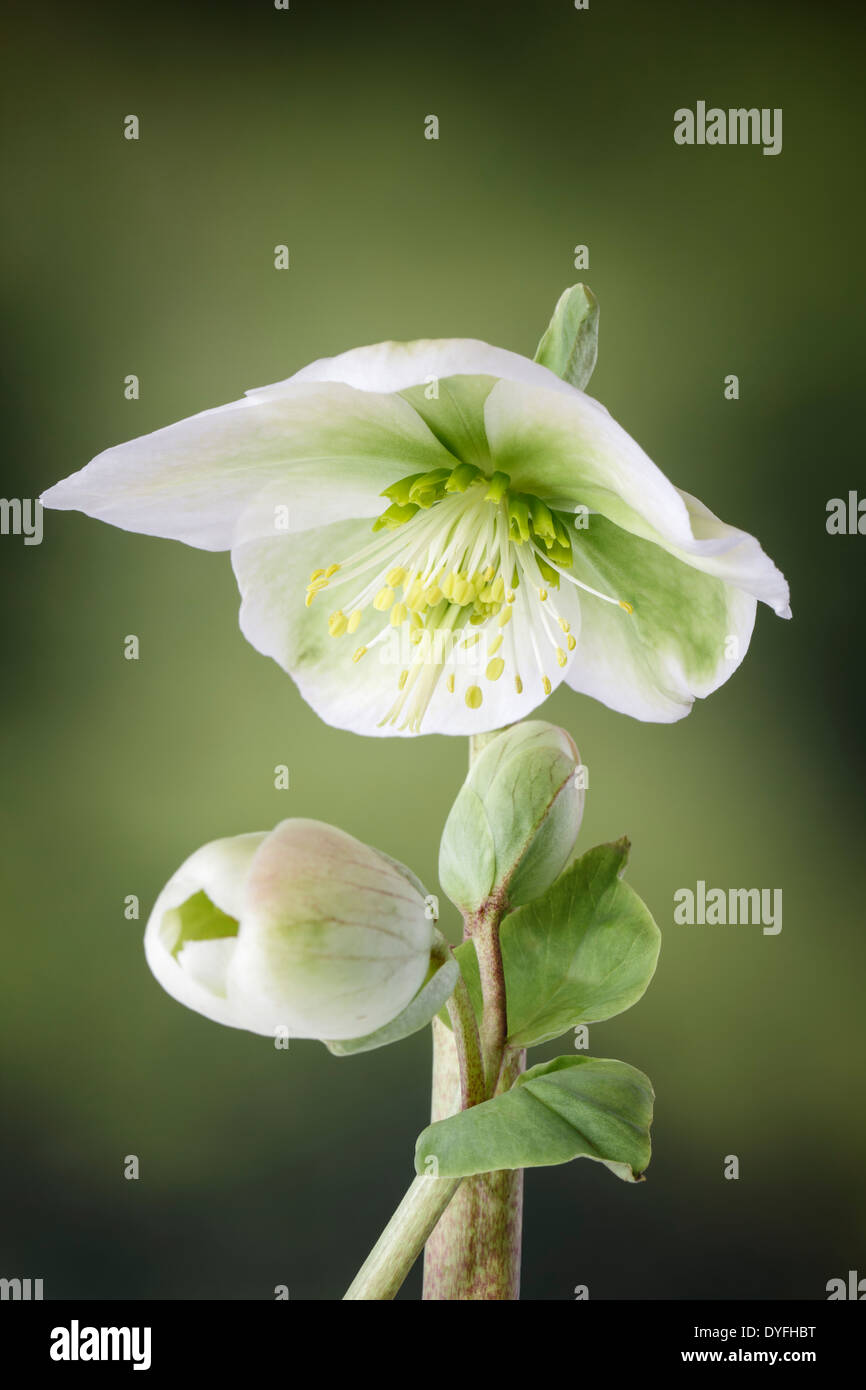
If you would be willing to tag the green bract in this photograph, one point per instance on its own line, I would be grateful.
(516, 818)
(573, 1107)
(570, 345)
(302, 931)
(582, 952)
(430, 536)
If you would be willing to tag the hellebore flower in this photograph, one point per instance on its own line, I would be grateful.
(430, 536)
(301, 928)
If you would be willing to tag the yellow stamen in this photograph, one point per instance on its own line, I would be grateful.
(383, 600)
(398, 614)
(404, 676)
(495, 668)
(359, 653)
(396, 576)
(450, 683)
(494, 646)
(463, 592)
(627, 606)
(545, 681)
(415, 595)
(518, 685)
(561, 657)
(474, 697)
(338, 623)
(570, 642)
(355, 619)
(505, 617)
(542, 594)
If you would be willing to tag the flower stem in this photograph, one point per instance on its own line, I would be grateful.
(474, 1251)
(402, 1240)
(483, 929)
(471, 1227)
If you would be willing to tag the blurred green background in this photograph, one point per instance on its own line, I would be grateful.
(156, 258)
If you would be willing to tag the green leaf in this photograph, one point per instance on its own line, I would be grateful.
(515, 820)
(570, 344)
(417, 1014)
(467, 853)
(584, 951)
(573, 1107)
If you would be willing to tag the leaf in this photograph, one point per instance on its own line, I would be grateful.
(467, 853)
(417, 1014)
(572, 1107)
(515, 820)
(584, 951)
(569, 346)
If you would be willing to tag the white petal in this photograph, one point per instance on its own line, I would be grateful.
(394, 366)
(320, 451)
(334, 940)
(732, 555)
(567, 446)
(272, 576)
(687, 635)
(570, 451)
(218, 869)
(207, 963)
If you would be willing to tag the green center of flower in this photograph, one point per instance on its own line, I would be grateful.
(457, 550)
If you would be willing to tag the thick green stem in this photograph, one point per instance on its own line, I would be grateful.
(474, 1252)
(483, 930)
(472, 1226)
(402, 1240)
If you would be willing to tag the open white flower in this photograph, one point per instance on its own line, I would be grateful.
(430, 536)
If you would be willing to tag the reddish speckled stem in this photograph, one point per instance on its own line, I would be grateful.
(474, 1251)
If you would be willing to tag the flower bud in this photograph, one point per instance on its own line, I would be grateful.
(302, 928)
(513, 827)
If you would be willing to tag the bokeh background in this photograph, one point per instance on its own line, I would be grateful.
(260, 127)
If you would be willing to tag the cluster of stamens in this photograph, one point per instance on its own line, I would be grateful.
(457, 550)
